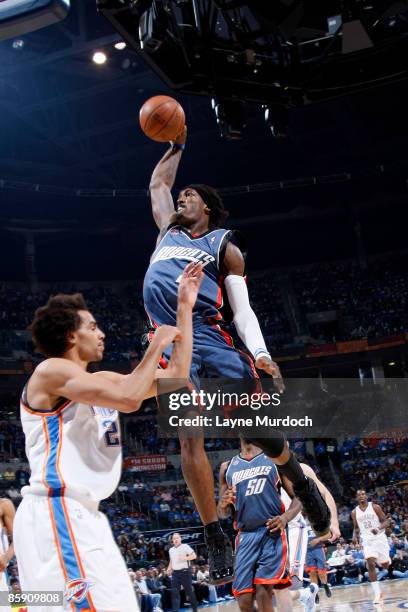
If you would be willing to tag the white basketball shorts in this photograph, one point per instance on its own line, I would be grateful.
(63, 546)
(378, 549)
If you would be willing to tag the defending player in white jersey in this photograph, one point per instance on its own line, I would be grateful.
(298, 542)
(369, 525)
(7, 513)
(62, 542)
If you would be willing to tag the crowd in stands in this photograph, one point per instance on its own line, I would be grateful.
(116, 315)
(153, 587)
(374, 298)
(11, 441)
(142, 436)
(369, 301)
(267, 301)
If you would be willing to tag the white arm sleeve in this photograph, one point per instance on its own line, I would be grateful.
(245, 319)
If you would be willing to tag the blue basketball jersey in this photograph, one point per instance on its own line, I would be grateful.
(176, 249)
(257, 484)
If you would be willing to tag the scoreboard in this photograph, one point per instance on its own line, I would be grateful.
(18, 17)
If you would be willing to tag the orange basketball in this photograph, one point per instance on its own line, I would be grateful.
(162, 118)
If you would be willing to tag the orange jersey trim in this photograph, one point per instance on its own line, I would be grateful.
(238, 593)
(43, 413)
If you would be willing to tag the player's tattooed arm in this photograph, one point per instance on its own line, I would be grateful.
(226, 494)
(384, 521)
(161, 184)
(7, 513)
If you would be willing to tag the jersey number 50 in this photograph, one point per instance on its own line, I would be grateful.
(255, 486)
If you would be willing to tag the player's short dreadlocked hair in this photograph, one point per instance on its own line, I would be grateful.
(53, 322)
(214, 202)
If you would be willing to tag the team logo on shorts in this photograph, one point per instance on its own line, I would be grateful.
(76, 590)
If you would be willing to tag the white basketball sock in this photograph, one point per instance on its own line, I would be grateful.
(376, 588)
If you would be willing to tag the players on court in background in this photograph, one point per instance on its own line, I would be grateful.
(369, 523)
(298, 543)
(193, 231)
(250, 482)
(70, 420)
(7, 513)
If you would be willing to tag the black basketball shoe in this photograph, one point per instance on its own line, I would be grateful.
(314, 507)
(219, 558)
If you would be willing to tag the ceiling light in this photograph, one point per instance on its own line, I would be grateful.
(99, 57)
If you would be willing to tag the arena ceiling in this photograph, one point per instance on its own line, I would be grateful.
(68, 125)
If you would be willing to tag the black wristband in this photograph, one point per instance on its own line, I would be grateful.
(176, 146)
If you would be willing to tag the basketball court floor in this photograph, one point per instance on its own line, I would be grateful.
(352, 598)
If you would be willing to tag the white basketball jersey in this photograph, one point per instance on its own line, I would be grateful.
(73, 449)
(298, 522)
(367, 520)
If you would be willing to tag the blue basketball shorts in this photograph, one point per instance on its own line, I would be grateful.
(215, 356)
(315, 559)
(260, 558)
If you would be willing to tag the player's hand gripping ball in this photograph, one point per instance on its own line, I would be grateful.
(162, 118)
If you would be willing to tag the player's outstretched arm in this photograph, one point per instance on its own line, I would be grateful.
(245, 320)
(64, 378)
(328, 498)
(162, 183)
(178, 369)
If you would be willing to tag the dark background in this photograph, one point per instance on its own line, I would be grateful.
(67, 124)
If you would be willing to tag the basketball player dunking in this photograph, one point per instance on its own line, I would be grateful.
(7, 513)
(369, 523)
(193, 232)
(71, 424)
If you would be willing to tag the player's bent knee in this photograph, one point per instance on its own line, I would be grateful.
(273, 447)
(190, 446)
